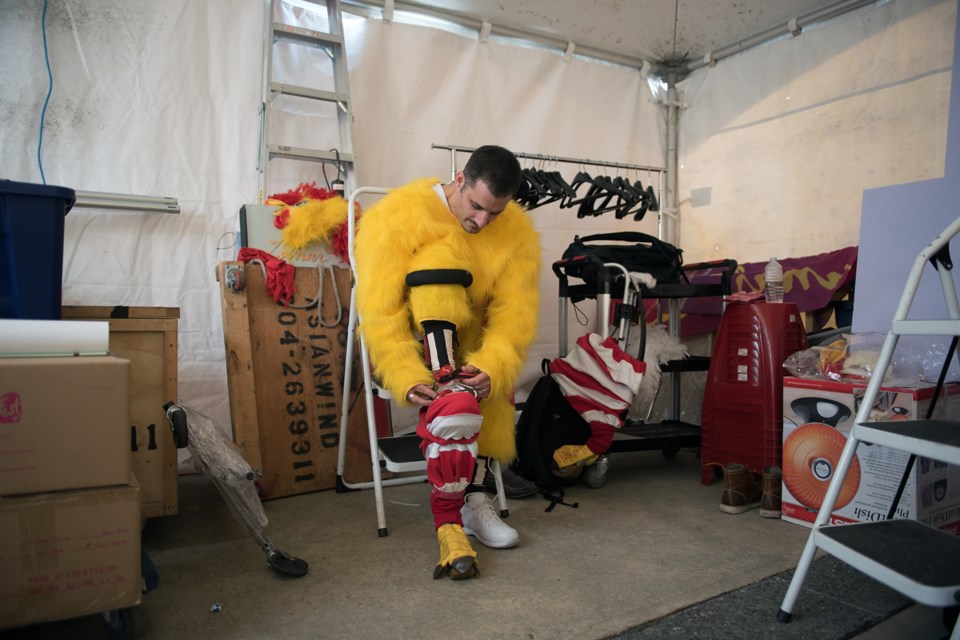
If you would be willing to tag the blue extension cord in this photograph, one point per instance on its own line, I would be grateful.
(43, 114)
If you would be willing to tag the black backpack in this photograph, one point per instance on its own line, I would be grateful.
(547, 422)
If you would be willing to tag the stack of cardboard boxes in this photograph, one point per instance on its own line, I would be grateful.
(69, 505)
(147, 337)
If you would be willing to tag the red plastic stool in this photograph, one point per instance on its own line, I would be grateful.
(742, 418)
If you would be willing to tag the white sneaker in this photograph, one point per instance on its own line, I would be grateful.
(480, 520)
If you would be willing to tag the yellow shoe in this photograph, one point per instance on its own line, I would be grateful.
(457, 557)
(574, 454)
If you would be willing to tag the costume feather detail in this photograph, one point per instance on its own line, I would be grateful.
(314, 221)
(496, 317)
(310, 215)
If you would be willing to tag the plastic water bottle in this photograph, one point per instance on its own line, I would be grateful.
(773, 281)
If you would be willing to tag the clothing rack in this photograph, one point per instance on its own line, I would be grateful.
(673, 302)
(539, 156)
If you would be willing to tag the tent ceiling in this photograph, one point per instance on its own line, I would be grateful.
(659, 31)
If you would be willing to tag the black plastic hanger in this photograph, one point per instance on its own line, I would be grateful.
(582, 178)
(607, 189)
(654, 204)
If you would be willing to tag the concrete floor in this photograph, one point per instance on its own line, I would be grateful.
(650, 542)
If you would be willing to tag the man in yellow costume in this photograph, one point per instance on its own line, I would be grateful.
(448, 300)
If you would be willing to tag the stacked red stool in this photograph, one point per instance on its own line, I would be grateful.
(742, 418)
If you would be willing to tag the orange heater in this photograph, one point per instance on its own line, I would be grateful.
(810, 457)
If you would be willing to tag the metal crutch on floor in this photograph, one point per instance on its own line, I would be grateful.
(220, 460)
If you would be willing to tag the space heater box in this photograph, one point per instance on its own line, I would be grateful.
(817, 418)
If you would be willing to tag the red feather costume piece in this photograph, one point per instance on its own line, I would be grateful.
(311, 214)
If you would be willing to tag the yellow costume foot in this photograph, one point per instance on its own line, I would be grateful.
(574, 454)
(457, 558)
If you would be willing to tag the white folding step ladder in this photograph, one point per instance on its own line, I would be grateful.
(919, 561)
(398, 454)
(313, 101)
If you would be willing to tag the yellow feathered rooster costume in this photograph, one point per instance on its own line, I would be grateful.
(411, 229)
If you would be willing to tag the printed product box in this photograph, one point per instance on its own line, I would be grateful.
(817, 418)
(64, 423)
(67, 554)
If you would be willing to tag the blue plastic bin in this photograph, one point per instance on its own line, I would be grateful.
(31, 249)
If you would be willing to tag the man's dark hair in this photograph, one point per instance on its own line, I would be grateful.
(497, 167)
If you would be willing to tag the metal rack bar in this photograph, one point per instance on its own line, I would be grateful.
(121, 201)
(539, 156)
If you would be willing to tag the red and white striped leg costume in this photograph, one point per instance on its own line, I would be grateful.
(448, 427)
(599, 380)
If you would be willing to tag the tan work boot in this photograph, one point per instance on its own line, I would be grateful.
(772, 489)
(457, 557)
(740, 490)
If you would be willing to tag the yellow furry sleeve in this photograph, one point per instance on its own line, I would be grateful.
(512, 252)
(388, 236)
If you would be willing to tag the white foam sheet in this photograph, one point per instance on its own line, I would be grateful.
(24, 338)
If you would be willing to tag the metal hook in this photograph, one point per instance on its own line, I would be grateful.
(337, 184)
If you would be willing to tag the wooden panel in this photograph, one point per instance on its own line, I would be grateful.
(118, 312)
(150, 344)
(294, 398)
(240, 383)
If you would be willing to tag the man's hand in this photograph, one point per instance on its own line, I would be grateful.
(421, 395)
(479, 380)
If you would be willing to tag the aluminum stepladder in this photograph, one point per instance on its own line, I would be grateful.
(919, 561)
(327, 91)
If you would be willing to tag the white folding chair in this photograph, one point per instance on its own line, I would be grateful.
(399, 454)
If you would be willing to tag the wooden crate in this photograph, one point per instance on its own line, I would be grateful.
(147, 337)
(285, 379)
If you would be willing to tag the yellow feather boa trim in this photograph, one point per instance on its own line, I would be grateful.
(313, 221)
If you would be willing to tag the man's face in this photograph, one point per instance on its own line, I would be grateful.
(474, 206)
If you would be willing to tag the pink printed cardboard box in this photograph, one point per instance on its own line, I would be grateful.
(817, 418)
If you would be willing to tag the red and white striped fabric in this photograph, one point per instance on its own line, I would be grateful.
(448, 429)
(599, 380)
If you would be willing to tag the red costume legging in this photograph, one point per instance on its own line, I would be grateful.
(448, 429)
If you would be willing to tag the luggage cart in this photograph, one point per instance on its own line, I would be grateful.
(595, 279)
(221, 461)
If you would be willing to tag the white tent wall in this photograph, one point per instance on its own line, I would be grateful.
(162, 99)
(778, 143)
(152, 99)
(459, 91)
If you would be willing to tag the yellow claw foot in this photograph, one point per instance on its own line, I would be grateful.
(458, 560)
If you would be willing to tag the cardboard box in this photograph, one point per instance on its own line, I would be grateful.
(817, 418)
(64, 423)
(147, 337)
(69, 553)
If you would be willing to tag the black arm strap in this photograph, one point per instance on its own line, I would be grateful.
(439, 276)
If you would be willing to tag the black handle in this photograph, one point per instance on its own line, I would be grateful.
(809, 410)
